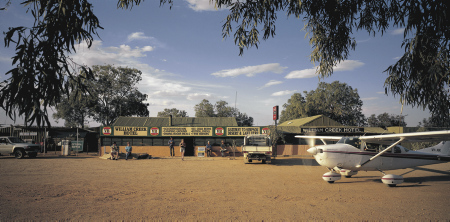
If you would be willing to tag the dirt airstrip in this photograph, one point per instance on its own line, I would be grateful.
(87, 188)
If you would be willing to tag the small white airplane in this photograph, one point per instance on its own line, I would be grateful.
(369, 153)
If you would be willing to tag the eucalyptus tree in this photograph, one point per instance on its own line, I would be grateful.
(117, 93)
(420, 77)
(174, 112)
(336, 100)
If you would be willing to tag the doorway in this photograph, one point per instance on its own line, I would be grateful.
(189, 146)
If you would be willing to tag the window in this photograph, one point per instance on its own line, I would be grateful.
(147, 142)
(136, 142)
(106, 141)
(158, 142)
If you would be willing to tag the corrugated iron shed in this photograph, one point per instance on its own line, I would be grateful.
(176, 121)
(317, 121)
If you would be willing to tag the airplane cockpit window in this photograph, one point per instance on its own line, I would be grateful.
(397, 150)
(354, 141)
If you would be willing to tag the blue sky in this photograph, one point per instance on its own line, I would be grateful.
(184, 59)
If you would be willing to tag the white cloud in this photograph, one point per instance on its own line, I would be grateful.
(137, 36)
(147, 48)
(346, 65)
(199, 96)
(398, 31)
(201, 5)
(271, 83)
(300, 74)
(369, 98)
(283, 93)
(250, 71)
(123, 55)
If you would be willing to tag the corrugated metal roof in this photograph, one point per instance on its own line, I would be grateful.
(176, 121)
(319, 120)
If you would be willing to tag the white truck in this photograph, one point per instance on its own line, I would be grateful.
(257, 147)
(17, 147)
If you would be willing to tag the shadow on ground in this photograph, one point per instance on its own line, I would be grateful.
(294, 162)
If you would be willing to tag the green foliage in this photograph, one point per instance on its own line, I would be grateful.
(43, 73)
(75, 107)
(336, 100)
(172, 112)
(221, 109)
(276, 135)
(204, 109)
(117, 93)
(420, 77)
(295, 108)
(243, 120)
(112, 93)
(385, 120)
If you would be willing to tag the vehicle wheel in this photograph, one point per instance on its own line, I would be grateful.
(249, 161)
(263, 161)
(392, 185)
(19, 154)
(348, 176)
(330, 181)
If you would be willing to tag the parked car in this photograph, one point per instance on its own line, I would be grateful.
(17, 147)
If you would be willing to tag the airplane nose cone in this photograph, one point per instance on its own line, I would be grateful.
(312, 150)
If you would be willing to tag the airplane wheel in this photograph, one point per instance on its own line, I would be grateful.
(330, 181)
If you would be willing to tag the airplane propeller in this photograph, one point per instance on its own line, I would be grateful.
(311, 141)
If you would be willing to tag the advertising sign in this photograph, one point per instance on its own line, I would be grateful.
(106, 131)
(186, 131)
(130, 131)
(333, 130)
(201, 152)
(242, 131)
(154, 131)
(77, 145)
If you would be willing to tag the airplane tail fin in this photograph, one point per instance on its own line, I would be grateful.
(442, 149)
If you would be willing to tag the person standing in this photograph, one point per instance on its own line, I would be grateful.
(172, 150)
(208, 149)
(223, 148)
(128, 149)
(182, 148)
(114, 151)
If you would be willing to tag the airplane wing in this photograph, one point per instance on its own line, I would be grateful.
(430, 136)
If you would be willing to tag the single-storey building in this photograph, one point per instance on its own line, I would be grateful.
(150, 135)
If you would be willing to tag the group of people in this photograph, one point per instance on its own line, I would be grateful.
(115, 151)
(223, 148)
(128, 149)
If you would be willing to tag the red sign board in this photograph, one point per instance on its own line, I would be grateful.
(106, 131)
(275, 112)
(154, 131)
(219, 131)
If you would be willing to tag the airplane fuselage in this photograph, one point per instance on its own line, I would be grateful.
(346, 156)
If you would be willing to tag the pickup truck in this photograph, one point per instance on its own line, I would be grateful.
(17, 147)
(257, 147)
